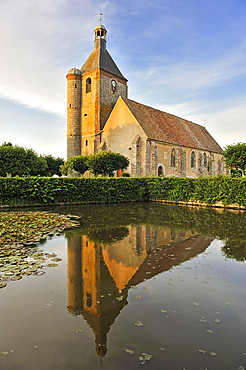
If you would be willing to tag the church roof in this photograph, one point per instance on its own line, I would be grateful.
(100, 58)
(171, 129)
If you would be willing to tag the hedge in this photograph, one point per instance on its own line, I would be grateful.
(45, 190)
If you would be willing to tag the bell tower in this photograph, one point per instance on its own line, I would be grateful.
(99, 83)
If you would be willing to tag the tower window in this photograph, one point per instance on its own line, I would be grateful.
(86, 142)
(75, 86)
(88, 85)
(70, 105)
(113, 85)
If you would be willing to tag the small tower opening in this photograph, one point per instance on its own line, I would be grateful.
(88, 85)
(100, 36)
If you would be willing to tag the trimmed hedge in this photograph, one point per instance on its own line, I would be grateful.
(45, 190)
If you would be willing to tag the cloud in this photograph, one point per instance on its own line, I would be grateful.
(177, 78)
(41, 41)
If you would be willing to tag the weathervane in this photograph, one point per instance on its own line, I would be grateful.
(100, 19)
(204, 122)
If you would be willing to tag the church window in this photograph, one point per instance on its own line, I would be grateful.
(205, 160)
(85, 114)
(88, 85)
(193, 160)
(70, 105)
(86, 142)
(98, 34)
(173, 158)
(75, 86)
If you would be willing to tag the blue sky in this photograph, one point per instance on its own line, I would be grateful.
(187, 58)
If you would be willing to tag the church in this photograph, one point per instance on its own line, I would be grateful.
(101, 117)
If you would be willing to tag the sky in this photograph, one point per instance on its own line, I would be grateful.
(187, 58)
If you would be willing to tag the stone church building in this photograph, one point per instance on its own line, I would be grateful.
(101, 117)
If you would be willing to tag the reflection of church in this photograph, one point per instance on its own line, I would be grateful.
(100, 275)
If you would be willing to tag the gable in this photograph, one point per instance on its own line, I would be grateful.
(171, 129)
(121, 129)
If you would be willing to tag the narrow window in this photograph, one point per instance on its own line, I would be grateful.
(86, 142)
(88, 85)
(75, 86)
(88, 300)
(173, 158)
(193, 160)
(205, 160)
(70, 105)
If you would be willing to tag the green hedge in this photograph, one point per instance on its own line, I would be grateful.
(45, 190)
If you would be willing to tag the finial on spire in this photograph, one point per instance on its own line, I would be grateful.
(204, 122)
(100, 19)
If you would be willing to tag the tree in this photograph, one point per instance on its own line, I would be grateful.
(106, 162)
(67, 167)
(53, 165)
(235, 157)
(80, 163)
(19, 161)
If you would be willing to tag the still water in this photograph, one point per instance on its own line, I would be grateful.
(160, 286)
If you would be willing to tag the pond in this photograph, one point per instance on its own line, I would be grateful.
(160, 286)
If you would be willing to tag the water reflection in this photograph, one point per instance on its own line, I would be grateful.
(104, 264)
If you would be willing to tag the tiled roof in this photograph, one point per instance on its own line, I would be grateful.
(100, 58)
(171, 129)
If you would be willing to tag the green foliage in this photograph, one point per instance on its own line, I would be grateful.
(18, 161)
(235, 157)
(38, 190)
(106, 162)
(80, 164)
(125, 174)
(53, 166)
(67, 168)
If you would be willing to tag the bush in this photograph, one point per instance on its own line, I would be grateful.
(38, 190)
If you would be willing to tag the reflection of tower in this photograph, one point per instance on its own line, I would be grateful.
(91, 290)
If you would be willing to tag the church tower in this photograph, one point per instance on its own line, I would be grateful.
(92, 92)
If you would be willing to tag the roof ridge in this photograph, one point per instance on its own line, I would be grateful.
(170, 114)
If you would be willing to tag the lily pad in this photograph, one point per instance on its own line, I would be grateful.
(130, 351)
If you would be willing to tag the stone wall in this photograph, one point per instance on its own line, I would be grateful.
(73, 115)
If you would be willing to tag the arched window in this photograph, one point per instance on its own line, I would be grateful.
(173, 158)
(211, 164)
(88, 85)
(205, 160)
(193, 160)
